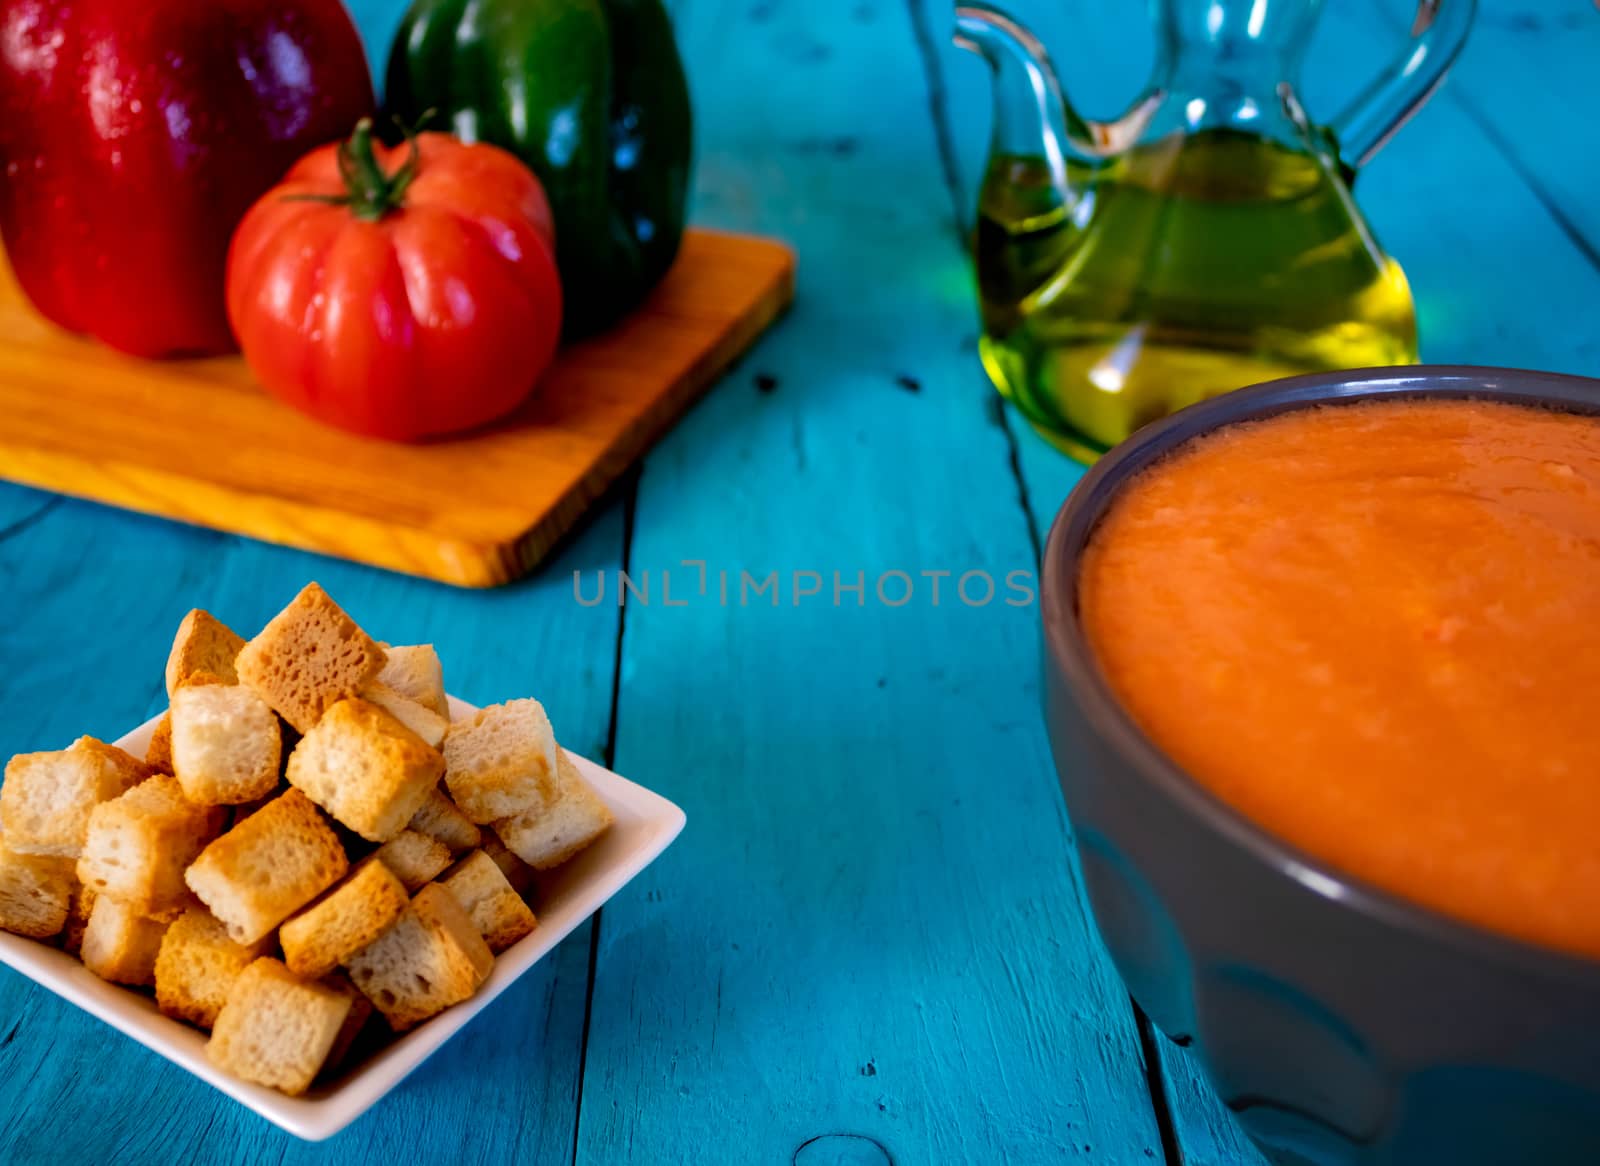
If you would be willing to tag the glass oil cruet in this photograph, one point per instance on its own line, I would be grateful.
(1205, 240)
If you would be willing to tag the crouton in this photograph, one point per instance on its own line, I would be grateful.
(158, 754)
(35, 893)
(46, 799)
(197, 965)
(204, 644)
(365, 768)
(79, 904)
(342, 922)
(518, 873)
(226, 747)
(243, 810)
(432, 958)
(120, 944)
(496, 910)
(268, 866)
(420, 719)
(501, 761)
(575, 819)
(276, 1029)
(414, 671)
(439, 818)
(354, 1021)
(308, 657)
(138, 844)
(413, 857)
(118, 760)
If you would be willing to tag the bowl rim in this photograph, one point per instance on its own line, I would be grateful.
(1075, 662)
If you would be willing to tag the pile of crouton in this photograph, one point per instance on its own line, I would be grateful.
(308, 838)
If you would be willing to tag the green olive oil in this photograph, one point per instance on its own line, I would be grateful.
(1182, 269)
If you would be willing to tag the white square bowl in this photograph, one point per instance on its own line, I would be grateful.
(646, 824)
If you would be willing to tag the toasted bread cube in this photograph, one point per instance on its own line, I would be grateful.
(343, 921)
(158, 754)
(226, 747)
(365, 768)
(46, 799)
(275, 1029)
(79, 905)
(35, 893)
(354, 1021)
(130, 769)
(420, 719)
(502, 761)
(439, 818)
(443, 913)
(308, 657)
(120, 944)
(138, 844)
(518, 873)
(204, 644)
(268, 866)
(413, 857)
(413, 670)
(197, 966)
(243, 810)
(432, 958)
(170, 915)
(496, 910)
(577, 817)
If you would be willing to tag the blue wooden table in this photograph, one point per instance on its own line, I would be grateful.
(870, 945)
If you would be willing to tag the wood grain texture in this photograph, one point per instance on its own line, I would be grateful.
(198, 442)
(1519, 81)
(870, 945)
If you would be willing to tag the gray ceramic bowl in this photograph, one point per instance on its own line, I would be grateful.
(1341, 1024)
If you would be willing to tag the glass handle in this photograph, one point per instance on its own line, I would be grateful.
(1365, 125)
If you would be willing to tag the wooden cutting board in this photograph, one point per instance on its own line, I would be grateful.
(198, 442)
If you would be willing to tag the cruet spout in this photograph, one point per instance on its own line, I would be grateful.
(1032, 117)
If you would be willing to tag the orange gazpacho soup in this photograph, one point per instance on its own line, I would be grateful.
(1374, 630)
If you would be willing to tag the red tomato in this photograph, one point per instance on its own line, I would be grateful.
(398, 293)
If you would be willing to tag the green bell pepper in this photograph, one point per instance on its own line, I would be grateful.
(591, 95)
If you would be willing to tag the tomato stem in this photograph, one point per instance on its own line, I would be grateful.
(372, 192)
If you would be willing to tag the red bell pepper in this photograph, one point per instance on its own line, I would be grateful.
(136, 133)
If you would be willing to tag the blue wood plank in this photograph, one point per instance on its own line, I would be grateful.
(377, 21)
(21, 507)
(872, 933)
(1496, 278)
(1527, 79)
